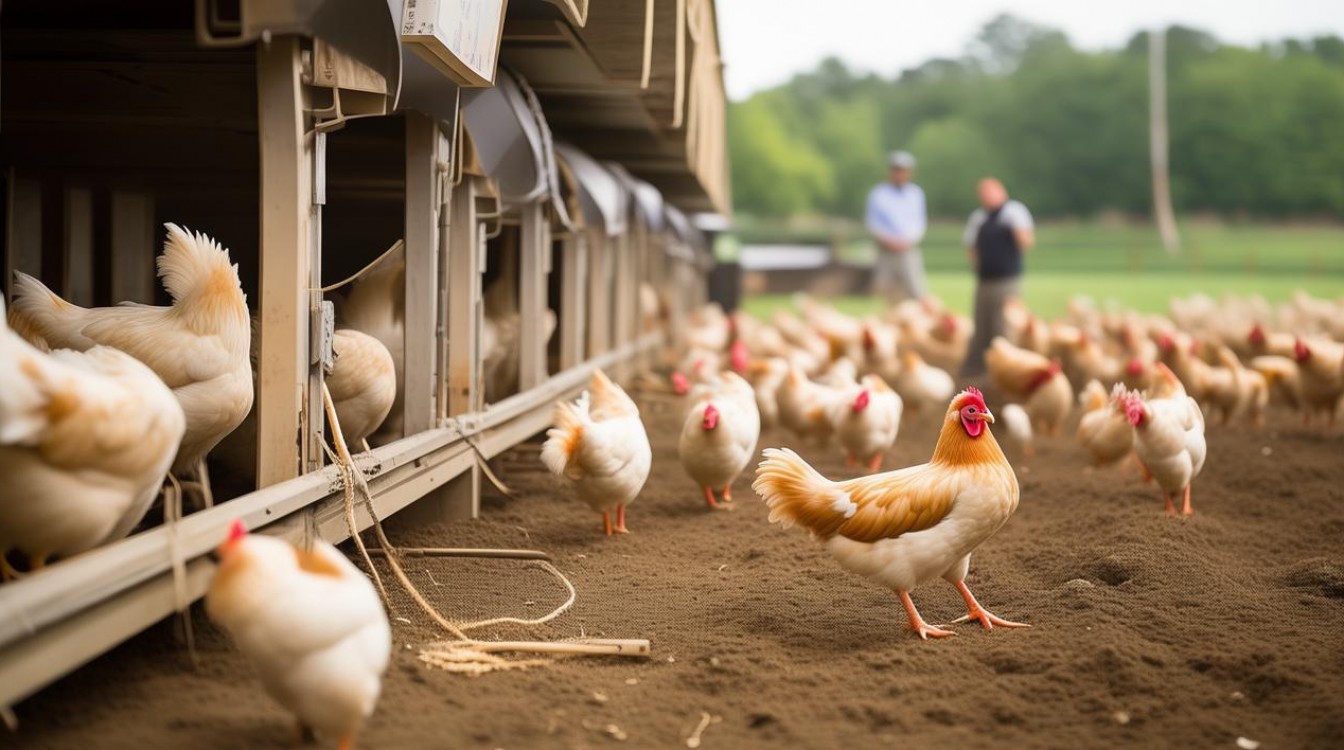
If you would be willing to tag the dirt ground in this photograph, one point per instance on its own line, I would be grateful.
(1148, 631)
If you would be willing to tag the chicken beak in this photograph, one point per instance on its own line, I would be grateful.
(986, 416)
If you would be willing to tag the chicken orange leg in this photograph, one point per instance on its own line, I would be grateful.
(1186, 510)
(727, 493)
(606, 524)
(709, 499)
(976, 612)
(347, 742)
(620, 520)
(917, 624)
(875, 463)
(1171, 507)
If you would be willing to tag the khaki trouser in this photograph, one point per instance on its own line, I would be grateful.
(990, 296)
(899, 276)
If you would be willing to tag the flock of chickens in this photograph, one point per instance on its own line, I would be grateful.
(98, 406)
(1143, 385)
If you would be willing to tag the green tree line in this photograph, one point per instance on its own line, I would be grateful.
(1256, 132)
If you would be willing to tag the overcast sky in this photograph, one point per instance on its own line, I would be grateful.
(766, 41)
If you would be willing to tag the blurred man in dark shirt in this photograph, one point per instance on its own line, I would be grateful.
(996, 237)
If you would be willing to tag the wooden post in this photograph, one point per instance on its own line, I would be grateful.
(285, 252)
(534, 251)
(573, 299)
(599, 293)
(1158, 140)
(23, 227)
(466, 261)
(133, 246)
(623, 250)
(423, 203)
(79, 246)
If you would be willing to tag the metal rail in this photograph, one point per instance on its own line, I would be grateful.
(54, 621)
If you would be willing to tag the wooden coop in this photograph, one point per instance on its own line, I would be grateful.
(543, 173)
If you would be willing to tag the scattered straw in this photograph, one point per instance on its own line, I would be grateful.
(464, 655)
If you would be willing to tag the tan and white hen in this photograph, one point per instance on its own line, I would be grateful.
(85, 441)
(310, 623)
(198, 345)
(599, 444)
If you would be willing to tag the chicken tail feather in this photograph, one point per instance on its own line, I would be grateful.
(33, 308)
(561, 450)
(193, 263)
(799, 494)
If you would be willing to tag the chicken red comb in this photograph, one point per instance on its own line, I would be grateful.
(711, 417)
(1257, 334)
(972, 394)
(680, 384)
(1300, 351)
(237, 530)
(862, 400)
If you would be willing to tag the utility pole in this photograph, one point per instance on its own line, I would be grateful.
(1158, 141)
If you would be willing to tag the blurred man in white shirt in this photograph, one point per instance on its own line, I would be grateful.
(896, 218)
(997, 235)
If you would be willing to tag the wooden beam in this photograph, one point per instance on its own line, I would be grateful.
(23, 226)
(623, 315)
(423, 202)
(78, 243)
(466, 262)
(534, 249)
(133, 246)
(599, 294)
(286, 208)
(573, 299)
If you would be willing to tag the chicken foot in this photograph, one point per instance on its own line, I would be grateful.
(201, 487)
(917, 624)
(976, 612)
(620, 520)
(1186, 510)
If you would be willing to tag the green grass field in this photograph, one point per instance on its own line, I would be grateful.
(1127, 265)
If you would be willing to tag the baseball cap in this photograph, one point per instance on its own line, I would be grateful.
(902, 159)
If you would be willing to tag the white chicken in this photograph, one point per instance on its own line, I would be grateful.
(865, 418)
(310, 623)
(1320, 365)
(1169, 441)
(767, 375)
(85, 441)
(376, 306)
(803, 406)
(363, 384)
(922, 385)
(1107, 435)
(1282, 376)
(198, 346)
(1017, 428)
(599, 444)
(841, 374)
(1033, 380)
(719, 437)
(878, 350)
